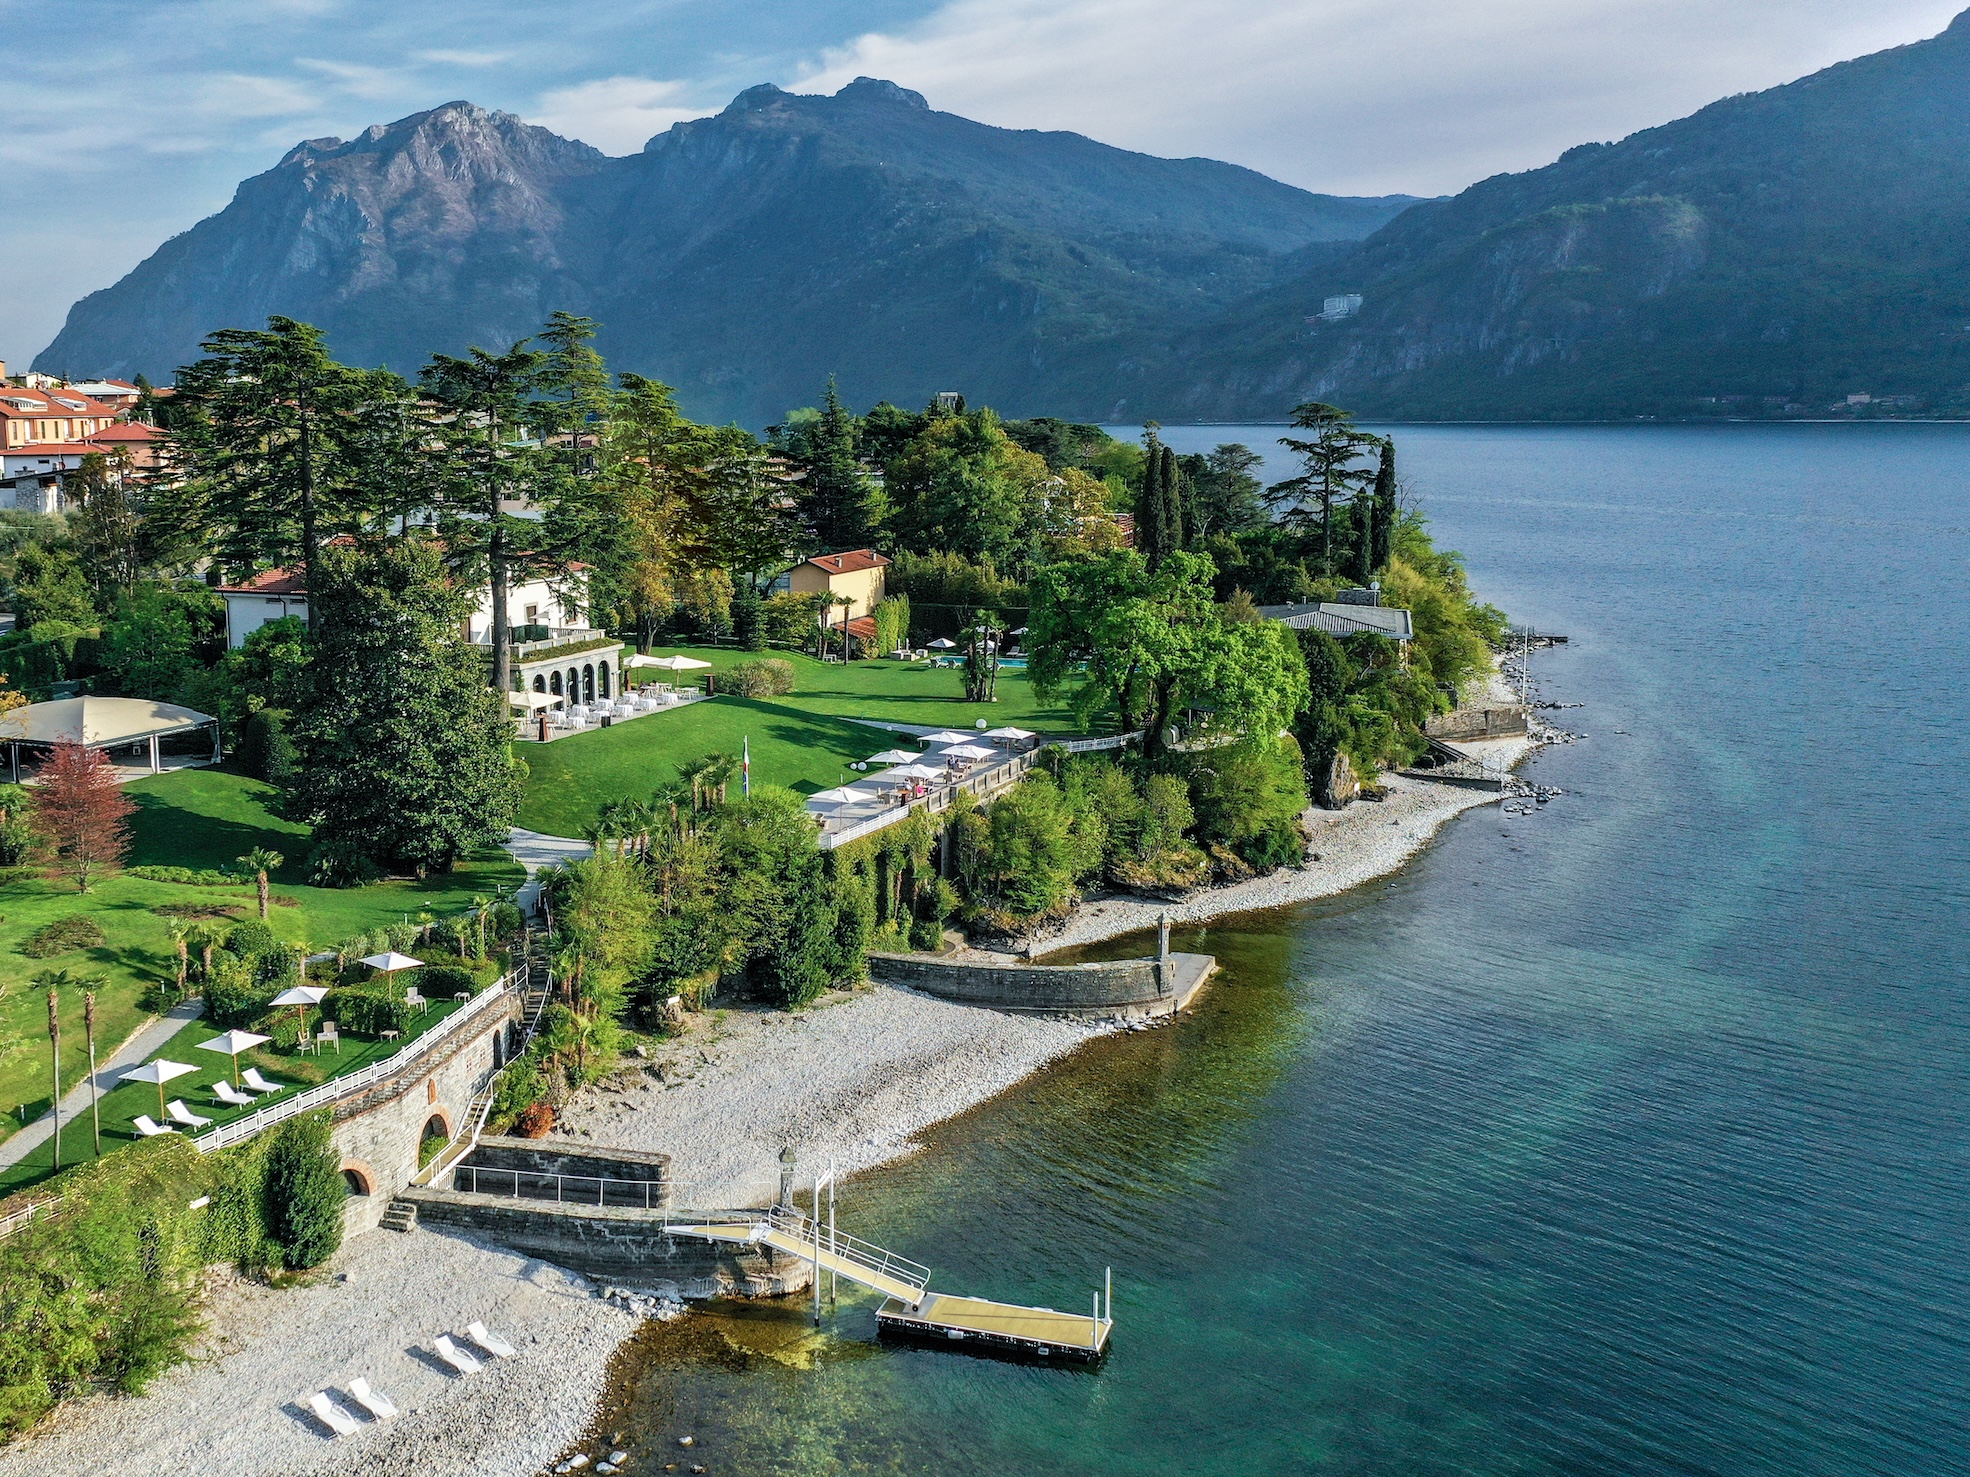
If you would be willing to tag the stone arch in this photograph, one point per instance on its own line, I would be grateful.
(602, 679)
(588, 683)
(439, 1122)
(555, 680)
(358, 1178)
(574, 685)
(540, 683)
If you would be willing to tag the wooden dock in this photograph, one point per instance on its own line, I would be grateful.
(910, 1309)
(980, 1326)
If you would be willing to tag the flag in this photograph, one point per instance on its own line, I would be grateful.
(745, 767)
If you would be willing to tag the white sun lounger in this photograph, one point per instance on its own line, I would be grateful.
(332, 1415)
(149, 1129)
(231, 1096)
(377, 1405)
(456, 1357)
(252, 1078)
(178, 1113)
(492, 1343)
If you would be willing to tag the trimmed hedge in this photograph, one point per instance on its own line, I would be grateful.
(367, 1011)
(190, 876)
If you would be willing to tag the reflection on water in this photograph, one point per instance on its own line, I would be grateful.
(1623, 1137)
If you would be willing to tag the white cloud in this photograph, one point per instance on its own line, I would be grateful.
(616, 114)
(1362, 96)
(231, 95)
(463, 58)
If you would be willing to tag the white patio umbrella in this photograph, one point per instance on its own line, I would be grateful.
(388, 964)
(666, 663)
(1010, 735)
(966, 751)
(839, 796)
(913, 772)
(947, 737)
(532, 701)
(893, 756)
(301, 996)
(232, 1044)
(160, 1072)
(1020, 632)
(942, 643)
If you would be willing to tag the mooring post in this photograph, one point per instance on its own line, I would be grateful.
(1108, 1290)
(817, 1251)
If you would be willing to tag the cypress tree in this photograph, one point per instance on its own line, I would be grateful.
(1150, 537)
(1176, 527)
(1381, 544)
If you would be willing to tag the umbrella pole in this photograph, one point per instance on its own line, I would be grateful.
(235, 1071)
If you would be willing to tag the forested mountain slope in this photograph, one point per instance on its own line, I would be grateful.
(742, 257)
(1770, 255)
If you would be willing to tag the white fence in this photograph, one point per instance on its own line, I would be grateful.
(21, 1219)
(336, 1088)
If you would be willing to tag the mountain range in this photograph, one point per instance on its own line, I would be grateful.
(743, 257)
(1773, 254)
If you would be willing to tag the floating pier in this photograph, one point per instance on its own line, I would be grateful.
(999, 1328)
(910, 1310)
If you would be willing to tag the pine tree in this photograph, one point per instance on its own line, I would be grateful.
(403, 749)
(843, 504)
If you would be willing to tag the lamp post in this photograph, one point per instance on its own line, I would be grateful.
(89, 1029)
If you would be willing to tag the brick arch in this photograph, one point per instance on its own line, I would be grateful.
(442, 1114)
(358, 1171)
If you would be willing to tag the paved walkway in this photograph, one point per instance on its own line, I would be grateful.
(533, 850)
(140, 1048)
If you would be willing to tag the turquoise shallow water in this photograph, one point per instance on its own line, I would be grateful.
(1625, 1138)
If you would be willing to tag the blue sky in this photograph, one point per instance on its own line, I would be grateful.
(130, 120)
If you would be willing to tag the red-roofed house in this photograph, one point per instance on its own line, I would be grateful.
(858, 574)
(46, 431)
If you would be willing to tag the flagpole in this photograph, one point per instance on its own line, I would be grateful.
(745, 766)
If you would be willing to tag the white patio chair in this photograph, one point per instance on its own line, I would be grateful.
(456, 1357)
(332, 1415)
(231, 1096)
(377, 1405)
(492, 1343)
(416, 997)
(149, 1129)
(178, 1113)
(252, 1078)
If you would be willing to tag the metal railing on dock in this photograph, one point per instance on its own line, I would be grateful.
(562, 1189)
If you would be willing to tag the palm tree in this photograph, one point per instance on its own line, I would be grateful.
(181, 933)
(260, 862)
(841, 602)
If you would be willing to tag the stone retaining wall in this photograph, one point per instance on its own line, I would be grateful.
(546, 1156)
(615, 1245)
(377, 1132)
(1475, 723)
(1116, 987)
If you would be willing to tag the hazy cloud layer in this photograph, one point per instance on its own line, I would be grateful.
(122, 134)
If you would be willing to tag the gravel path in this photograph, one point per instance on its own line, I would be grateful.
(237, 1410)
(858, 1077)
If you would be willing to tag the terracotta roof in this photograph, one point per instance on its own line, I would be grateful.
(862, 628)
(127, 431)
(852, 562)
(49, 403)
(48, 448)
(269, 582)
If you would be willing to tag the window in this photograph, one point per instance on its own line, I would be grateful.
(533, 615)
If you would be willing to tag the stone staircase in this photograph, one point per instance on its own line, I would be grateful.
(401, 1216)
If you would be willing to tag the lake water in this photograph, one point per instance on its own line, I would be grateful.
(1624, 1138)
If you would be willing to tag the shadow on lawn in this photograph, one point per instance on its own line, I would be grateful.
(168, 835)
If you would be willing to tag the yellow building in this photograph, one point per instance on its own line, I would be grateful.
(857, 574)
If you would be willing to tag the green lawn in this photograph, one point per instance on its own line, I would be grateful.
(574, 777)
(192, 818)
(121, 1105)
(899, 692)
(803, 739)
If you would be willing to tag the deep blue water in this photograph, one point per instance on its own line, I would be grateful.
(1624, 1138)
